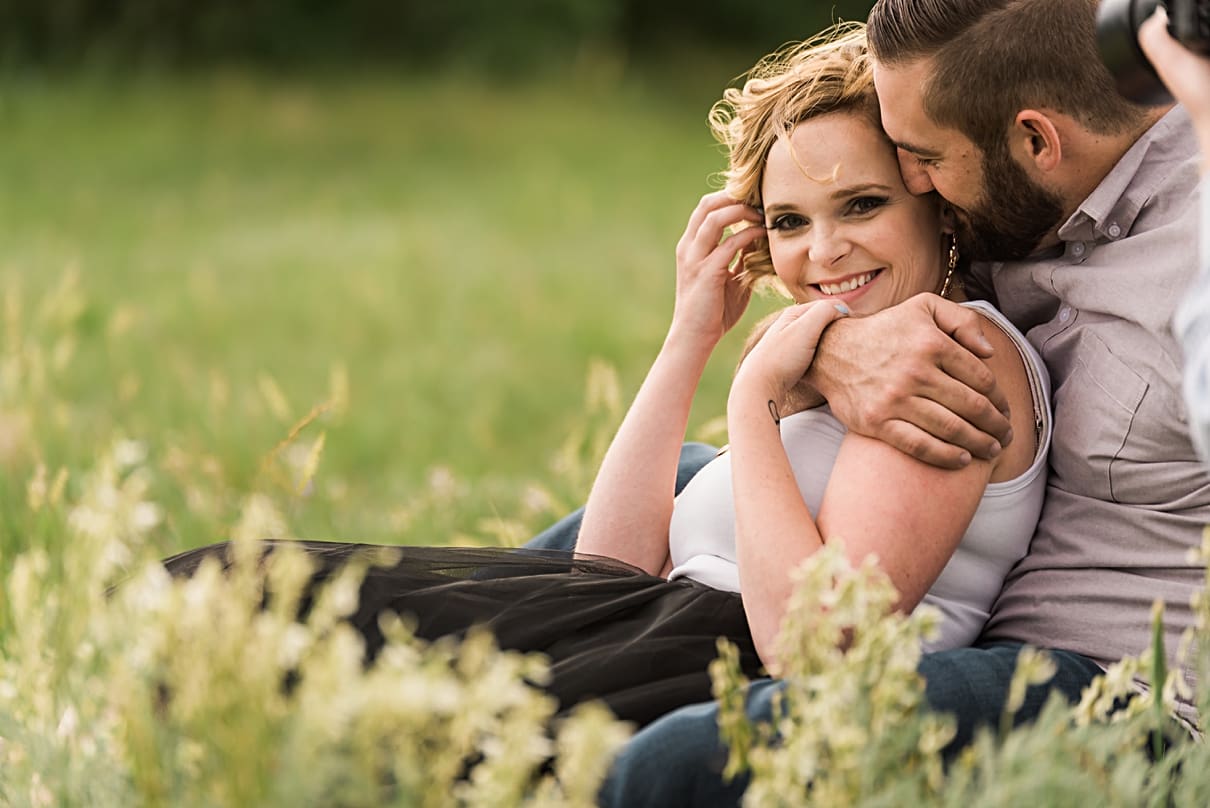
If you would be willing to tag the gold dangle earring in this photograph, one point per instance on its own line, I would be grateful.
(951, 265)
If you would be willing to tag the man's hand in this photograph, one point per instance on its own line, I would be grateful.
(912, 376)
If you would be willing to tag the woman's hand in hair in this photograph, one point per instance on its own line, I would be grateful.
(709, 298)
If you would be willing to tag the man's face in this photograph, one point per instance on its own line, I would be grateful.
(1003, 213)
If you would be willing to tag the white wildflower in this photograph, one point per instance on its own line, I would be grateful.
(293, 642)
(259, 519)
(39, 793)
(343, 594)
(144, 517)
(68, 723)
(129, 453)
(1034, 667)
(442, 483)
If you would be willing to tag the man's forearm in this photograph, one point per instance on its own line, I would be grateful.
(825, 369)
(913, 376)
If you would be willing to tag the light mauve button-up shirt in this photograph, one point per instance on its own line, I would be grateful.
(1127, 496)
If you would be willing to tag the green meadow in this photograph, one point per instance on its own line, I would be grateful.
(405, 310)
(421, 270)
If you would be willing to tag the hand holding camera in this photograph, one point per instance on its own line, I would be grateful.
(1172, 26)
(1159, 51)
(1185, 73)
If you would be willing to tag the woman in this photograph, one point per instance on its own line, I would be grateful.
(815, 202)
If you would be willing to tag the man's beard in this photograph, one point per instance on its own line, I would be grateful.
(1013, 214)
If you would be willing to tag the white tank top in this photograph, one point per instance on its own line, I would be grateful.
(702, 532)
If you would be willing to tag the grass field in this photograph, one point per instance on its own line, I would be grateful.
(391, 310)
(445, 255)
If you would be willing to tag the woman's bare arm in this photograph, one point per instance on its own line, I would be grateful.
(879, 500)
(630, 505)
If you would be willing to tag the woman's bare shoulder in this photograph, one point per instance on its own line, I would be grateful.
(1008, 366)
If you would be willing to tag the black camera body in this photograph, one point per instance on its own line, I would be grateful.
(1118, 24)
(1189, 22)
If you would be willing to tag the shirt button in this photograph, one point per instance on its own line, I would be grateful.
(1114, 230)
(1065, 314)
(1077, 249)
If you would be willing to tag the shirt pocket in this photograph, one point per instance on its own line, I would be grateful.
(1094, 409)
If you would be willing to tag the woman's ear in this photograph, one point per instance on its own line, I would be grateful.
(949, 219)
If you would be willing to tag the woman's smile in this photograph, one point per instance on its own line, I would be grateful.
(848, 288)
(841, 225)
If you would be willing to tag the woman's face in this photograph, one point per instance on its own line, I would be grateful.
(841, 224)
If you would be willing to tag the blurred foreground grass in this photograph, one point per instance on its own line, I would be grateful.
(433, 262)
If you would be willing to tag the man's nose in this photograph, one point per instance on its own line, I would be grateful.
(915, 177)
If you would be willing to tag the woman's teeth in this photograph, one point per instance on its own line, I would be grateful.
(847, 286)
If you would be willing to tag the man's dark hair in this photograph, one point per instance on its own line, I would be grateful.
(993, 58)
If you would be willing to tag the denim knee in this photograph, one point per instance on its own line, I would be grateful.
(679, 759)
(972, 685)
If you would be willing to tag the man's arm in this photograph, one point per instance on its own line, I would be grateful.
(911, 376)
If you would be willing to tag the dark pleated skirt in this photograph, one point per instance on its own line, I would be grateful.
(637, 642)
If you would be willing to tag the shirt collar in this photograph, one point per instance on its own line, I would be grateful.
(1110, 210)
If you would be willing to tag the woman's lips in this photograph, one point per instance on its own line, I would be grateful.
(849, 288)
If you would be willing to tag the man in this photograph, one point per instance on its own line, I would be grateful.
(1083, 208)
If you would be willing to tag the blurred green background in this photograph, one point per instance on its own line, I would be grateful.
(427, 218)
(513, 37)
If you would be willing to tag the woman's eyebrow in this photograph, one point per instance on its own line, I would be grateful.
(859, 188)
(842, 192)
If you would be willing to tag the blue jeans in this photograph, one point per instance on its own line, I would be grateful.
(678, 760)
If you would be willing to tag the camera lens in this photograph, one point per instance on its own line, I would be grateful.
(1118, 24)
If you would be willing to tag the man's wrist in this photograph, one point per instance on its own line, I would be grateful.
(818, 375)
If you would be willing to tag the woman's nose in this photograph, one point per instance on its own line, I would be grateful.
(828, 245)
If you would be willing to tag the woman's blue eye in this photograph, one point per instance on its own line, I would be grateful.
(788, 221)
(865, 204)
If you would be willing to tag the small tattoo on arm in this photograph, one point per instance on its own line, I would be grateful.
(773, 412)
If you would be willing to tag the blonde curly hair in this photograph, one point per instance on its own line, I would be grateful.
(828, 73)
